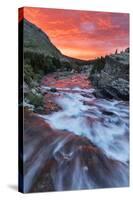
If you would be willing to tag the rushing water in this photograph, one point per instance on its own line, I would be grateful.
(88, 143)
(105, 123)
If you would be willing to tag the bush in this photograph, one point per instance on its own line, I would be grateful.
(49, 66)
(35, 59)
(56, 62)
(67, 65)
(28, 74)
(39, 62)
(36, 99)
(98, 65)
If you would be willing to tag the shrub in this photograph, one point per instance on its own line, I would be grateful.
(98, 65)
(35, 99)
(28, 74)
(49, 66)
(40, 62)
(36, 60)
(56, 62)
(67, 65)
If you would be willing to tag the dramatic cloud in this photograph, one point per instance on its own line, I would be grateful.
(82, 34)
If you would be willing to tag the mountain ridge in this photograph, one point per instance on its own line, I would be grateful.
(35, 39)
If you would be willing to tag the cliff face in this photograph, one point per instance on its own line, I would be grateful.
(112, 80)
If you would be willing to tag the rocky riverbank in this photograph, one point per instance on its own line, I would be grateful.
(110, 76)
(41, 97)
(74, 135)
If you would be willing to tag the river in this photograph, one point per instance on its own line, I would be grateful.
(102, 125)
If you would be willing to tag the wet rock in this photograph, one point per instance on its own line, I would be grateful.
(56, 159)
(50, 104)
(105, 112)
(44, 183)
(53, 89)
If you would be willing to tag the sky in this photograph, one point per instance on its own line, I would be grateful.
(82, 34)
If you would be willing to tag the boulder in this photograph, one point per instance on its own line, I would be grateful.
(53, 89)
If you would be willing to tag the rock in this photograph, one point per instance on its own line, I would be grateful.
(127, 50)
(121, 86)
(33, 90)
(36, 99)
(109, 113)
(53, 90)
(112, 81)
(50, 105)
(44, 183)
(25, 87)
(27, 105)
(118, 89)
(57, 155)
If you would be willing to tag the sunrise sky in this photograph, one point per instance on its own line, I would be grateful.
(82, 34)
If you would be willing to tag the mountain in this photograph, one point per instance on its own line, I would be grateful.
(36, 40)
(40, 58)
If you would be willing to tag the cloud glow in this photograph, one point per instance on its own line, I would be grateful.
(82, 34)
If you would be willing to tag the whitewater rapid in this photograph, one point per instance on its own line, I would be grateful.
(104, 122)
(87, 143)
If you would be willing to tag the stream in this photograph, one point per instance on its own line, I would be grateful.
(100, 158)
(102, 121)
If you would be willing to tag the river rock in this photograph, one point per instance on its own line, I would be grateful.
(50, 104)
(53, 89)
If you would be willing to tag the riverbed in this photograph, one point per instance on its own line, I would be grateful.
(84, 143)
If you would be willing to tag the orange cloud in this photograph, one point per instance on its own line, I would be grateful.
(82, 34)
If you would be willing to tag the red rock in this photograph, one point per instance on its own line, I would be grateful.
(50, 104)
(56, 152)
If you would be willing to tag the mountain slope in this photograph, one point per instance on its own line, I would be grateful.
(40, 58)
(36, 40)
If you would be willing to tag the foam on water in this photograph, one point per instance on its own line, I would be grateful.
(104, 122)
(102, 125)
